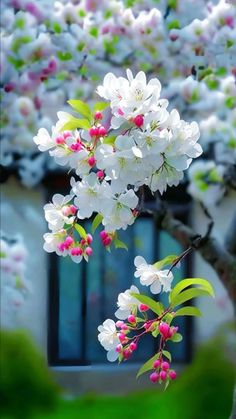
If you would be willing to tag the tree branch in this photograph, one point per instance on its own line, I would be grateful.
(210, 249)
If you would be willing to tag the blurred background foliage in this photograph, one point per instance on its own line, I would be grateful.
(27, 389)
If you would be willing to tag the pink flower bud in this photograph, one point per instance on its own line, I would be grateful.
(119, 348)
(93, 131)
(76, 251)
(61, 247)
(165, 366)
(82, 242)
(143, 307)
(138, 120)
(103, 234)
(88, 251)
(65, 211)
(163, 375)
(132, 319)
(126, 353)
(121, 337)
(73, 209)
(157, 363)
(133, 346)
(124, 327)
(60, 139)
(172, 375)
(154, 377)
(89, 238)
(100, 174)
(102, 131)
(164, 329)
(67, 134)
(107, 241)
(98, 115)
(91, 161)
(172, 331)
(68, 242)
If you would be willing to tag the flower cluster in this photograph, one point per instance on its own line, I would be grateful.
(139, 315)
(14, 286)
(54, 51)
(144, 144)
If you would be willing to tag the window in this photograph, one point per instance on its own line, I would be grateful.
(82, 296)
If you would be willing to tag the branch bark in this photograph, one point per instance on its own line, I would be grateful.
(212, 251)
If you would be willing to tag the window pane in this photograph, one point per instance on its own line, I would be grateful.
(70, 305)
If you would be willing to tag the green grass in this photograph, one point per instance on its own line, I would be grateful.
(203, 391)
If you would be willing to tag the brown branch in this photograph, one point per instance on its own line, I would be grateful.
(210, 249)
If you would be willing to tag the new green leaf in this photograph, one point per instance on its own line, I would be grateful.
(81, 107)
(168, 260)
(187, 295)
(81, 231)
(188, 311)
(147, 366)
(200, 282)
(148, 301)
(120, 245)
(96, 222)
(100, 106)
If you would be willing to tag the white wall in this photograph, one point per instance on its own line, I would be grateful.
(22, 213)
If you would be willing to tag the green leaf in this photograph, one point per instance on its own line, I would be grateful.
(109, 140)
(167, 355)
(188, 311)
(3, 254)
(64, 56)
(120, 245)
(147, 366)
(188, 295)
(203, 283)
(168, 260)
(74, 123)
(81, 231)
(101, 106)
(96, 221)
(152, 304)
(80, 107)
(177, 337)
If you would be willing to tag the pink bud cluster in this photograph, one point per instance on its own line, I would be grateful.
(106, 238)
(126, 346)
(166, 331)
(97, 131)
(81, 248)
(162, 371)
(61, 139)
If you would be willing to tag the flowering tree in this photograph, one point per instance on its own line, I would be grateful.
(117, 148)
(14, 286)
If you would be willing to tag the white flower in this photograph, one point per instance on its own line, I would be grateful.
(52, 241)
(126, 303)
(109, 339)
(91, 195)
(149, 275)
(43, 140)
(117, 211)
(54, 212)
